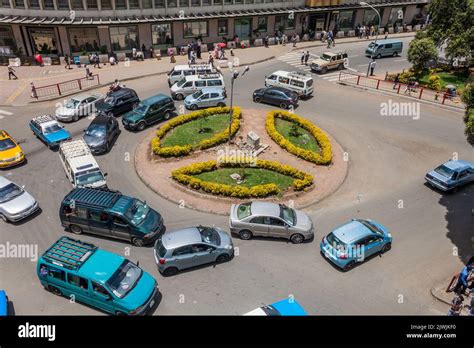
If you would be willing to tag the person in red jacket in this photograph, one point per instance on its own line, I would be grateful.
(39, 59)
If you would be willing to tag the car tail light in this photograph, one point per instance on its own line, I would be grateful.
(343, 256)
(162, 261)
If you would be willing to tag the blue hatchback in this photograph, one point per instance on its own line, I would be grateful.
(354, 241)
(286, 307)
(49, 130)
(451, 175)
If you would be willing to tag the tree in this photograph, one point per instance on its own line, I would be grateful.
(422, 51)
(468, 99)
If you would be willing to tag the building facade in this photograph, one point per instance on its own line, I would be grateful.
(58, 27)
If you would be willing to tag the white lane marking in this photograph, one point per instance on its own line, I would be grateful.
(400, 60)
(4, 113)
(351, 69)
(363, 65)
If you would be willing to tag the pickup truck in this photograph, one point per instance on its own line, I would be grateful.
(328, 61)
(48, 130)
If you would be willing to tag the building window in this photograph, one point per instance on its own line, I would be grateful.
(249, 1)
(63, 4)
(194, 29)
(134, 3)
(31, 4)
(120, 4)
(258, 1)
(44, 40)
(284, 23)
(124, 38)
(171, 3)
(159, 3)
(195, 2)
(147, 3)
(371, 18)
(5, 3)
(161, 36)
(217, 2)
(83, 39)
(92, 4)
(227, 2)
(222, 27)
(183, 3)
(18, 3)
(106, 4)
(262, 23)
(206, 2)
(397, 14)
(7, 43)
(238, 1)
(346, 20)
(48, 4)
(77, 5)
(267, 1)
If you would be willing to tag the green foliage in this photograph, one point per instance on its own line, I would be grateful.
(468, 98)
(420, 52)
(434, 82)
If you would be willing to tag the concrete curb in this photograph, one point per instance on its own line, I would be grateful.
(433, 292)
(378, 91)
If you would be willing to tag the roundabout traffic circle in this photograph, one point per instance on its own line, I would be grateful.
(297, 182)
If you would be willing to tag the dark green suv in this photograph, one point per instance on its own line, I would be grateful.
(151, 110)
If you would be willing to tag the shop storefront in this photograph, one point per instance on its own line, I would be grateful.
(83, 39)
(124, 38)
(162, 36)
(44, 40)
(7, 43)
(243, 27)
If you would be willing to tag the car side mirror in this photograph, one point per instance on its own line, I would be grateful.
(138, 263)
(105, 174)
(210, 251)
(84, 130)
(109, 298)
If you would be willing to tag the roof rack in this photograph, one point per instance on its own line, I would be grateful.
(198, 65)
(75, 148)
(209, 76)
(43, 119)
(97, 197)
(298, 75)
(69, 253)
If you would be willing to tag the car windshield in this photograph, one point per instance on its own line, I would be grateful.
(243, 211)
(334, 241)
(197, 94)
(88, 177)
(270, 311)
(371, 45)
(371, 226)
(96, 130)
(124, 279)
(325, 56)
(209, 235)
(287, 214)
(9, 192)
(109, 100)
(6, 144)
(181, 82)
(52, 128)
(137, 212)
(141, 109)
(72, 103)
(445, 171)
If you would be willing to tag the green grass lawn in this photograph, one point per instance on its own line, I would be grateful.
(253, 176)
(305, 140)
(457, 78)
(188, 133)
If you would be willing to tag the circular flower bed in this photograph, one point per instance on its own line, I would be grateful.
(185, 176)
(183, 150)
(325, 157)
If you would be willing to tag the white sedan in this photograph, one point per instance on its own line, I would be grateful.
(78, 106)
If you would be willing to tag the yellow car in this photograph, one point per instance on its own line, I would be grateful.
(10, 153)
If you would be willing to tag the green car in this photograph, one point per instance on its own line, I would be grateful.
(151, 110)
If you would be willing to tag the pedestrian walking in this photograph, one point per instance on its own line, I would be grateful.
(11, 72)
(463, 279)
(210, 60)
(367, 32)
(373, 63)
(456, 306)
(293, 39)
(306, 58)
(302, 57)
(362, 32)
(39, 59)
(96, 61)
(396, 81)
(33, 91)
(67, 62)
(88, 72)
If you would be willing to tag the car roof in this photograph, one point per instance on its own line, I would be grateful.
(281, 89)
(265, 208)
(4, 181)
(101, 119)
(388, 41)
(96, 197)
(122, 91)
(83, 96)
(351, 232)
(458, 165)
(289, 306)
(154, 99)
(101, 265)
(4, 134)
(212, 89)
(175, 239)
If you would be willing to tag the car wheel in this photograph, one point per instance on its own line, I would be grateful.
(137, 242)
(193, 107)
(395, 54)
(54, 290)
(75, 229)
(222, 258)
(245, 235)
(386, 248)
(220, 105)
(167, 115)
(4, 218)
(340, 66)
(257, 99)
(110, 114)
(120, 314)
(170, 271)
(297, 238)
(283, 105)
(378, 56)
(349, 266)
(75, 118)
(141, 126)
(179, 96)
(324, 70)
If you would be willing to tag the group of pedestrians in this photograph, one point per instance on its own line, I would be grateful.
(365, 31)
(464, 283)
(193, 51)
(304, 58)
(329, 37)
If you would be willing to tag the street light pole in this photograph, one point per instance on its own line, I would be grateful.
(362, 3)
(235, 75)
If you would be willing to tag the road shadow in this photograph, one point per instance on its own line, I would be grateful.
(460, 220)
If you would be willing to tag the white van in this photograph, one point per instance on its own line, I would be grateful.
(80, 165)
(180, 71)
(190, 84)
(300, 83)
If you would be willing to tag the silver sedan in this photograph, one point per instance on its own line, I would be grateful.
(15, 203)
(78, 106)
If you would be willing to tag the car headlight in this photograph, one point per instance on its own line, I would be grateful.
(229, 246)
(20, 155)
(389, 235)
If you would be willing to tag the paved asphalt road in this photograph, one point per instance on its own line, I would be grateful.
(388, 158)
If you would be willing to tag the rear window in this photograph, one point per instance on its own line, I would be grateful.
(243, 211)
(297, 83)
(160, 249)
(333, 240)
(309, 83)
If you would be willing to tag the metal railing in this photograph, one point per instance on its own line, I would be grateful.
(418, 92)
(63, 88)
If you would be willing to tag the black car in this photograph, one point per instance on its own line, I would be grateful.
(280, 96)
(101, 133)
(118, 102)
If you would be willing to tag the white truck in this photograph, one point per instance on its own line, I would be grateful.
(80, 165)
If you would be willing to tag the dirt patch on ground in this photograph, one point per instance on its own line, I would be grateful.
(155, 171)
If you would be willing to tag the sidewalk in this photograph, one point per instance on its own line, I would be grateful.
(17, 92)
(439, 293)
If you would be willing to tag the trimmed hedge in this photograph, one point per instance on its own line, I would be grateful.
(216, 139)
(325, 157)
(185, 174)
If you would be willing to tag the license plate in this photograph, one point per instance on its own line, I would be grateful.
(152, 303)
